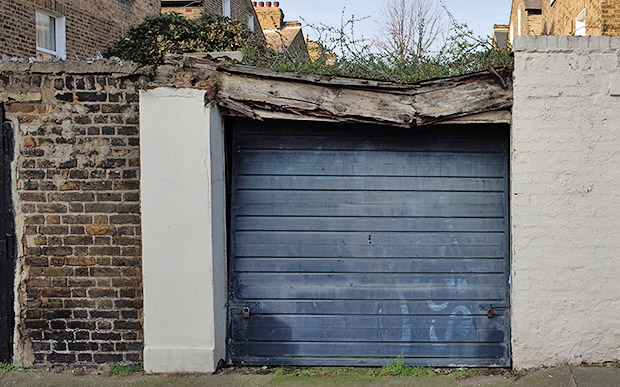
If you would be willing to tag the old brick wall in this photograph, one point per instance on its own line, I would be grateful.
(531, 21)
(517, 7)
(565, 207)
(239, 9)
(77, 206)
(17, 28)
(534, 24)
(610, 13)
(559, 17)
(90, 25)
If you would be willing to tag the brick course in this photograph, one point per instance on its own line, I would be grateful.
(559, 18)
(239, 9)
(602, 17)
(531, 21)
(78, 211)
(90, 25)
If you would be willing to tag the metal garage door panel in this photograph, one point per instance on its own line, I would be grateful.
(356, 245)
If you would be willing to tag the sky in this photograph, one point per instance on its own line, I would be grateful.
(480, 15)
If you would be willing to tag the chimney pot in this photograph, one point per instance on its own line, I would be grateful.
(254, 3)
(268, 4)
(276, 4)
(261, 3)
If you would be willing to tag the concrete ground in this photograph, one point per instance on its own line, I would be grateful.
(554, 377)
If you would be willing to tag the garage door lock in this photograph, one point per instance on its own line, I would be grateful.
(492, 311)
(245, 310)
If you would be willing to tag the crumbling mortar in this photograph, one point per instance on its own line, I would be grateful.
(59, 139)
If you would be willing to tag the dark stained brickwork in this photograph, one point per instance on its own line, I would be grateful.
(78, 211)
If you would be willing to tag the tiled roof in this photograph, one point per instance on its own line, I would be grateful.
(280, 40)
(533, 4)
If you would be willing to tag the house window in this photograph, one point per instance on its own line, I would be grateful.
(226, 8)
(518, 22)
(50, 35)
(580, 24)
(251, 22)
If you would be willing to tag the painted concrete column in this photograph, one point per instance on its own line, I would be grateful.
(565, 205)
(184, 231)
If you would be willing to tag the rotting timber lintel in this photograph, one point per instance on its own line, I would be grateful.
(261, 93)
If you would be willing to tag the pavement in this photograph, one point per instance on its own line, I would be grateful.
(553, 377)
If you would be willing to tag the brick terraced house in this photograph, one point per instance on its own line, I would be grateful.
(66, 28)
(236, 9)
(564, 17)
(282, 36)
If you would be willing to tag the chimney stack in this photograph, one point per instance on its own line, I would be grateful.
(270, 15)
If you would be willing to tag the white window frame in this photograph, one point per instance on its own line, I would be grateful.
(226, 8)
(60, 34)
(580, 24)
(519, 22)
(251, 22)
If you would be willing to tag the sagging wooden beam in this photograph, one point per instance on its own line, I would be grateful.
(265, 93)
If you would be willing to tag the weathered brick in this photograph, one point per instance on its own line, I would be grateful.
(104, 325)
(101, 207)
(54, 230)
(91, 97)
(108, 357)
(55, 292)
(105, 272)
(83, 346)
(51, 208)
(111, 314)
(125, 324)
(52, 219)
(104, 250)
(71, 197)
(37, 261)
(65, 97)
(125, 219)
(57, 250)
(106, 336)
(81, 324)
(101, 230)
(56, 357)
(76, 219)
(80, 261)
(85, 357)
(97, 293)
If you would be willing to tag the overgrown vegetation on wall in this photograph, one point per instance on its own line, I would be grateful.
(342, 53)
(147, 43)
(462, 53)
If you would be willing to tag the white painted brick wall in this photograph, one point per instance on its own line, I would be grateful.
(565, 201)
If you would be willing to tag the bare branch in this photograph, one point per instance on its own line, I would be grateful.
(410, 28)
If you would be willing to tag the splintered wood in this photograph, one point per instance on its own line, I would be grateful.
(261, 93)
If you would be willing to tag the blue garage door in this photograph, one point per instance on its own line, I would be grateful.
(357, 245)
